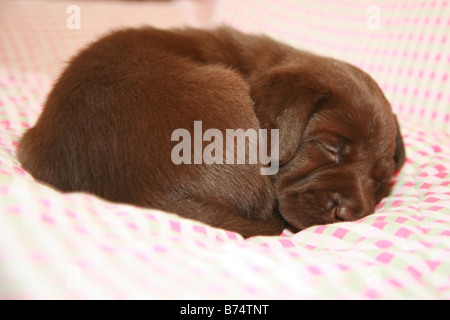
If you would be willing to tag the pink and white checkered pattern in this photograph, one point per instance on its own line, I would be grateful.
(55, 245)
(409, 55)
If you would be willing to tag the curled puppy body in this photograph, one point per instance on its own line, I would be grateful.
(107, 124)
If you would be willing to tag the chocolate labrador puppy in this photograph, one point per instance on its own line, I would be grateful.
(137, 117)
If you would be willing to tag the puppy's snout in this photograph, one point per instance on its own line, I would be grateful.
(343, 210)
(346, 213)
(351, 205)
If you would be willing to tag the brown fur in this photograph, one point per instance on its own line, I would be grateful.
(107, 124)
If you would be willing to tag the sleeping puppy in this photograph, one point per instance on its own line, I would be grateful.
(111, 127)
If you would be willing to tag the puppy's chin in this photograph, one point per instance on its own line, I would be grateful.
(306, 209)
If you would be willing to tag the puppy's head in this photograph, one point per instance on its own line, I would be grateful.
(340, 143)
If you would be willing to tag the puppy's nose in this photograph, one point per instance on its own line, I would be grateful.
(345, 213)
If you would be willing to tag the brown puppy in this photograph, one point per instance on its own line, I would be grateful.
(108, 128)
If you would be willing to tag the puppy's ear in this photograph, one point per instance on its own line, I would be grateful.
(400, 154)
(285, 98)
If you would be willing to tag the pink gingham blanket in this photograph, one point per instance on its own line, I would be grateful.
(55, 245)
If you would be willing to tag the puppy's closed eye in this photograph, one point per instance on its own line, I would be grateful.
(332, 150)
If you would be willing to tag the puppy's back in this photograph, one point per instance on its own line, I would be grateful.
(107, 124)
